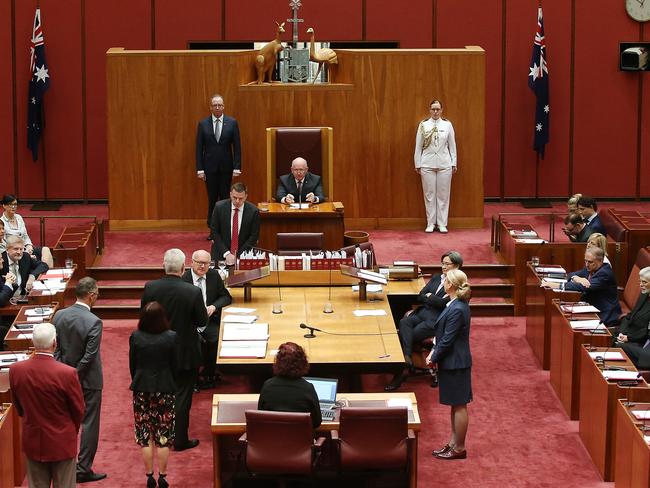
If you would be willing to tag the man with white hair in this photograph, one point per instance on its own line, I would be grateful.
(21, 265)
(186, 311)
(47, 395)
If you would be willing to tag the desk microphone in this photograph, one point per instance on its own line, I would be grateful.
(310, 334)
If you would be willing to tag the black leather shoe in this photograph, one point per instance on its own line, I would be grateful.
(90, 477)
(434, 381)
(190, 444)
(452, 454)
(396, 382)
(443, 449)
(210, 237)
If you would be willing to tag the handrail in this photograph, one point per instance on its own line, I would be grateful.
(97, 221)
(494, 235)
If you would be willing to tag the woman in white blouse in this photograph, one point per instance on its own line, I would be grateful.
(15, 226)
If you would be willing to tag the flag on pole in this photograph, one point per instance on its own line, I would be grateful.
(39, 82)
(538, 82)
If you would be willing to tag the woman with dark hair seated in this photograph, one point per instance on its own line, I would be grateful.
(151, 361)
(287, 391)
(14, 225)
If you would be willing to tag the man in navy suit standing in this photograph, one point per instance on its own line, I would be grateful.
(218, 153)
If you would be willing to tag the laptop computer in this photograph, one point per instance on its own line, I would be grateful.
(326, 390)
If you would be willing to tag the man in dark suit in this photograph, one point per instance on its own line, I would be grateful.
(575, 228)
(7, 289)
(23, 267)
(79, 338)
(300, 185)
(588, 210)
(235, 225)
(215, 296)
(597, 283)
(48, 397)
(218, 153)
(185, 309)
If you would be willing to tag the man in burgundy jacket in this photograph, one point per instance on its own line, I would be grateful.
(48, 397)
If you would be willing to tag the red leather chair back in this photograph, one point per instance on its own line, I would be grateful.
(632, 287)
(279, 442)
(373, 438)
(292, 142)
(295, 243)
(614, 228)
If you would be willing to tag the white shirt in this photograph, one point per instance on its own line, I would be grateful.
(195, 280)
(82, 304)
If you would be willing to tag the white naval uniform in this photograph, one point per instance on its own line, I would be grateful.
(436, 163)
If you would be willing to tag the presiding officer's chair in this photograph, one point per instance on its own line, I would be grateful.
(280, 443)
(284, 144)
(373, 439)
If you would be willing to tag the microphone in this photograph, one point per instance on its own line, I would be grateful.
(629, 403)
(310, 334)
(49, 292)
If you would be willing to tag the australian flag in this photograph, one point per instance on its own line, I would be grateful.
(538, 82)
(38, 84)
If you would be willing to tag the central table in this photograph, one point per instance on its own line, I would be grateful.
(347, 343)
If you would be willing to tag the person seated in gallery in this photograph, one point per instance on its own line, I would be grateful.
(14, 225)
(588, 209)
(288, 391)
(7, 289)
(575, 228)
(300, 186)
(418, 324)
(633, 331)
(597, 283)
(598, 240)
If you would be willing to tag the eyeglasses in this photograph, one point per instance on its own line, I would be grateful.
(445, 263)
(15, 204)
(201, 263)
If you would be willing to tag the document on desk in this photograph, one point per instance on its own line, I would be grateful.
(641, 414)
(621, 375)
(550, 269)
(49, 286)
(399, 402)
(586, 324)
(300, 206)
(239, 310)
(245, 332)
(372, 276)
(607, 355)
(243, 349)
(38, 312)
(372, 288)
(579, 309)
(240, 319)
(369, 313)
(529, 240)
(57, 273)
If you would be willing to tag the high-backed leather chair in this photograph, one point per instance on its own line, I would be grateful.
(296, 243)
(373, 439)
(280, 443)
(284, 144)
(632, 286)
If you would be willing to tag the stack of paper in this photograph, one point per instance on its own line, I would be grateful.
(367, 275)
(621, 375)
(368, 313)
(57, 273)
(608, 355)
(245, 332)
(586, 324)
(38, 312)
(240, 319)
(243, 349)
(579, 309)
(641, 414)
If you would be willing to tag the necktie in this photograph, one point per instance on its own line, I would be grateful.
(234, 240)
(201, 284)
(13, 267)
(217, 130)
(300, 191)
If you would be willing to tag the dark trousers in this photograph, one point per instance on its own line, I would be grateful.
(211, 336)
(218, 187)
(413, 329)
(89, 431)
(639, 356)
(185, 380)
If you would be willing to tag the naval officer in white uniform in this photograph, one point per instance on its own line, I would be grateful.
(435, 161)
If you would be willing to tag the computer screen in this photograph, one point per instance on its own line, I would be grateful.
(325, 388)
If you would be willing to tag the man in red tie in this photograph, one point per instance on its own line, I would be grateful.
(235, 225)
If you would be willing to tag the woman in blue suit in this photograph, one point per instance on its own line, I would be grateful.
(452, 355)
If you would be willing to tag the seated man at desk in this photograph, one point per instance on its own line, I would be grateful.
(588, 209)
(575, 228)
(235, 225)
(23, 267)
(300, 185)
(7, 289)
(597, 283)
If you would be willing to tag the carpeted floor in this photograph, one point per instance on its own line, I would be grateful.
(519, 435)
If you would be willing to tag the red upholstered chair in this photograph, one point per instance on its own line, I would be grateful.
(280, 443)
(284, 144)
(373, 439)
(632, 286)
(296, 243)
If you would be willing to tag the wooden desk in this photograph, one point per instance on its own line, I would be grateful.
(375, 348)
(565, 357)
(16, 339)
(325, 217)
(632, 451)
(78, 242)
(598, 399)
(539, 303)
(7, 419)
(19, 463)
(637, 236)
(228, 420)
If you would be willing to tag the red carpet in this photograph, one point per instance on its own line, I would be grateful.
(519, 435)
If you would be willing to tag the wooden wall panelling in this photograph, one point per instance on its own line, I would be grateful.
(198, 20)
(373, 156)
(480, 21)
(411, 24)
(644, 181)
(6, 99)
